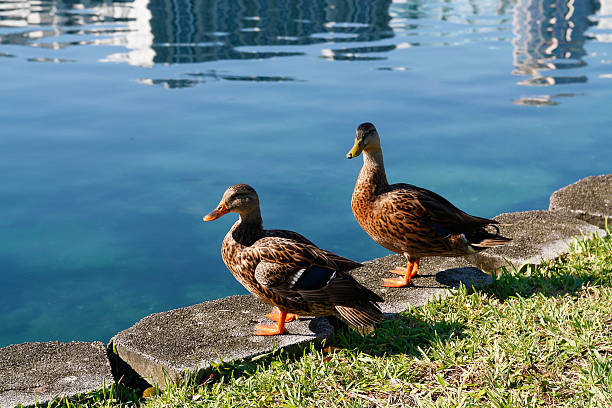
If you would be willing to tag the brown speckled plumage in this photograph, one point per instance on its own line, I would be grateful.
(286, 270)
(410, 220)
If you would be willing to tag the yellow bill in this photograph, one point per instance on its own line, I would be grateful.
(356, 150)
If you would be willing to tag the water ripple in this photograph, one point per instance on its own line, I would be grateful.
(198, 78)
(546, 35)
(181, 32)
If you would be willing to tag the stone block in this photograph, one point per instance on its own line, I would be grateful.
(536, 235)
(589, 199)
(164, 346)
(40, 372)
(192, 339)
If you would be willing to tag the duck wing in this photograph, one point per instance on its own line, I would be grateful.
(413, 206)
(341, 262)
(304, 272)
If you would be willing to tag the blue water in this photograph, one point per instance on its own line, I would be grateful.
(122, 123)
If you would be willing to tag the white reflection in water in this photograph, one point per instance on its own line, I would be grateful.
(549, 35)
(139, 39)
(194, 31)
(604, 22)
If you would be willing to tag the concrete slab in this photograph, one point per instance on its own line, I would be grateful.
(43, 371)
(191, 339)
(589, 199)
(536, 235)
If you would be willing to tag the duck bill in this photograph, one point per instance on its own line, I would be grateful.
(216, 213)
(355, 151)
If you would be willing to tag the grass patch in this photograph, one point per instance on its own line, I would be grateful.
(542, 337)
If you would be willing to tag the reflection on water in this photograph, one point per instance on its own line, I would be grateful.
(202, 77)
(549, 36)
(223, 27)
(603, 19)
(56, 60)
(169, 31)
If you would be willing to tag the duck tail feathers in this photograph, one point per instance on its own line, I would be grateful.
(483, 239)
(491, 242)
(364, 315)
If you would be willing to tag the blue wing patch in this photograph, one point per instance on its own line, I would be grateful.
(313, 278)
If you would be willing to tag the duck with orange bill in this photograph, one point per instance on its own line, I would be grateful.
(286, 270)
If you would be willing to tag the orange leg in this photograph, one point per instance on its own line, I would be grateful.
(271, 330)
(275, 314)
(412, 269)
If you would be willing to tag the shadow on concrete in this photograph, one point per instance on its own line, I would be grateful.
(469, 276)
(125, 375)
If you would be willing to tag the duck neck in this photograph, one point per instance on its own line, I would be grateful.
(248, 228)
(372, 177)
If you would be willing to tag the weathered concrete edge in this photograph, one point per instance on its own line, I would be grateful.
(165, 373)
(87, 381)
(592, 216)
(492, 264)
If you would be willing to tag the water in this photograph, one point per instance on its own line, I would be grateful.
(123, 122)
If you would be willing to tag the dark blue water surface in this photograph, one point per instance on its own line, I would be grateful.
(122, 123)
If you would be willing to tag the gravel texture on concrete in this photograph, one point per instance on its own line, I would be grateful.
(40, 372)
(536, 235)
(589, 199)
(169, 344)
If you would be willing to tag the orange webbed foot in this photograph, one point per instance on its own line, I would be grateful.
(275, 315)
(397, 282)
(411, 270)
(399, 271)
(269, 330)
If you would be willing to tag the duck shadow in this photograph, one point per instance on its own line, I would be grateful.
(470, 277)
(530, 281)
(401, 334)
(508, 282)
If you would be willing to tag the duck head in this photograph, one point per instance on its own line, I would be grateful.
(366, 139)
(239, 198)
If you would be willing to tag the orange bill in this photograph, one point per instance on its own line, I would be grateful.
(216, 213)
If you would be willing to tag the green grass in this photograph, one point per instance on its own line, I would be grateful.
(542, 337)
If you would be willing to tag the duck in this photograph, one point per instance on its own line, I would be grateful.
(411, 220)
(286, 270)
